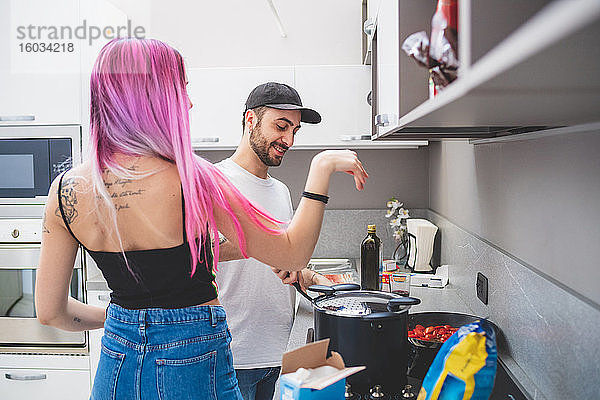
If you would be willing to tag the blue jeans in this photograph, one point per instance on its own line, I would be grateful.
(166, 354)
(258, 383)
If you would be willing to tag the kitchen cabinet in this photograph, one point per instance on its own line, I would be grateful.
(18, 384)
(37, 85)
(44, 376)
(218, 96)
(525, 66)
(338, 93)
(370, 10)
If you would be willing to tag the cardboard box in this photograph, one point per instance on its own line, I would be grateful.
(314, 355)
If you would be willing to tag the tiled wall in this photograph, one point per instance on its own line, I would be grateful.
(343, 231)
(551, 334)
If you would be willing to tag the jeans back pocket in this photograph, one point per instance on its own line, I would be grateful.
(105, 381)
(189, 378)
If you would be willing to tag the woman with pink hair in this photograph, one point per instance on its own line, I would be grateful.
(147, 209)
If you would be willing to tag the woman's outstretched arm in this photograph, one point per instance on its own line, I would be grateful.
(292, 249)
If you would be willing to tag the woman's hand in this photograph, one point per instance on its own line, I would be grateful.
(330, 161)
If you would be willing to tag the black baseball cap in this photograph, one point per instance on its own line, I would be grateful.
(282, 97)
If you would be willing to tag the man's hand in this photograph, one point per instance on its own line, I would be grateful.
(287, 277)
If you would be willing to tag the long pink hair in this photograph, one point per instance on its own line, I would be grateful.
(140, 107)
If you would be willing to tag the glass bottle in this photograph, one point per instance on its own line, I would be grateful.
(371, 260)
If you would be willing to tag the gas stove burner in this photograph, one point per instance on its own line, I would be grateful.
(376, 393)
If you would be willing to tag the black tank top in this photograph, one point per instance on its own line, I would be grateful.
(159, 278)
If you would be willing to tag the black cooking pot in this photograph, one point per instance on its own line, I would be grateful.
(422, 352)
(367, 328)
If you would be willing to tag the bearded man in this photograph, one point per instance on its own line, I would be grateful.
(258, 300)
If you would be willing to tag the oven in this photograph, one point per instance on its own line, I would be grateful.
(30, 158)
(20, 331)
(33, 155)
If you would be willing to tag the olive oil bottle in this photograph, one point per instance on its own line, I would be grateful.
(371, 260)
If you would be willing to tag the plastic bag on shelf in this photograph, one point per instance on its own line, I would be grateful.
(439, 51)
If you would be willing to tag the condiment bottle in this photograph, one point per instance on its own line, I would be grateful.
(371, 260)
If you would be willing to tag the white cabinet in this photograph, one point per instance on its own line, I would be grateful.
(387, 64)
(98, 298)
(39, 77)
(52, 376)
(218, 96)
(19, 384)
(339, 94)
(524, 66)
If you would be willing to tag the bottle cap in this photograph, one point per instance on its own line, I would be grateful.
(371, 228)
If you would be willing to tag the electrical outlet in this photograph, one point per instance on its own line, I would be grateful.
(482, 287)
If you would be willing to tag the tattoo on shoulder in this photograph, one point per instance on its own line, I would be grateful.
(68, 199)
(77, 319)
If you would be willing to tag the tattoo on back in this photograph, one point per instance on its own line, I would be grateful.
(68, 199)
(119, 189)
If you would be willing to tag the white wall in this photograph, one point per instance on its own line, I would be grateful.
(245, 33)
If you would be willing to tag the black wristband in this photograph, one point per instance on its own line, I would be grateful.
(314, 196)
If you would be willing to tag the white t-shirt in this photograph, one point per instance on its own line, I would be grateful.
(260, 308)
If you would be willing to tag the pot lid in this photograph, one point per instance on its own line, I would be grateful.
(356, 303)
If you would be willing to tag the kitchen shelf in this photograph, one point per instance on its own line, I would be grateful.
(542, 75)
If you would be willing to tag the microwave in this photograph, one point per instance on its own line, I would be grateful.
(31, 156)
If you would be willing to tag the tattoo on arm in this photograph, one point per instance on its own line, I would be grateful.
(68, 199)
(77, 319)
(44, 227)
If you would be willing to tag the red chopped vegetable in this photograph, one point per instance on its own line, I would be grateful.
(439, 333)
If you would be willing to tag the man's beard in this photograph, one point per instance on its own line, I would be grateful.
(261, 147)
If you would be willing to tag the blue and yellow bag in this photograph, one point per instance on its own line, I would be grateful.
(464, 367)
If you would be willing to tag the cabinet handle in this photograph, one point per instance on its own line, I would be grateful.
(382, 120)
(354, 138)
(25, 377)
(369, 27)
(17, 117)
(104, 297)
(206, 140)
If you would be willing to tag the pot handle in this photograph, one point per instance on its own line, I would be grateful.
(345, 286)
(380, 315)
(396, 304)
(322, 289)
